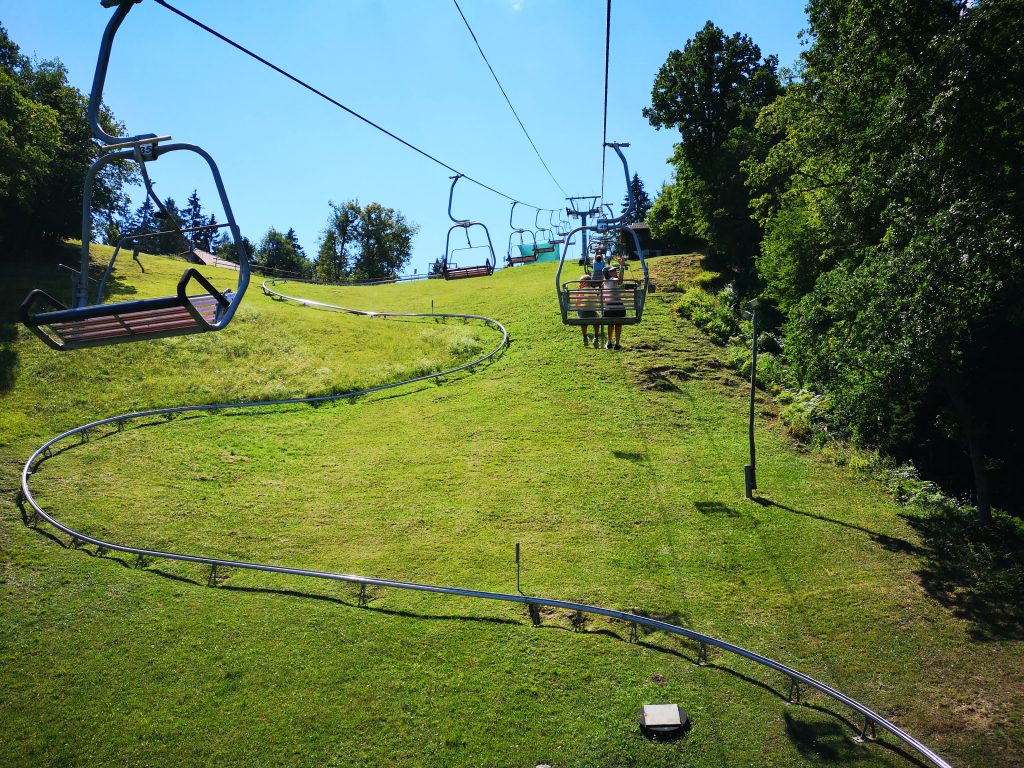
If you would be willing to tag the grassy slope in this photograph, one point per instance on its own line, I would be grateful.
(619, 473)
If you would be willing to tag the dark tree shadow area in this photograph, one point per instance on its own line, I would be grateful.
(976, 571)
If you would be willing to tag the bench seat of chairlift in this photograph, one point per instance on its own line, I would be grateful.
(512, 260)
(457, 273)
(598, 300)
(127, 321)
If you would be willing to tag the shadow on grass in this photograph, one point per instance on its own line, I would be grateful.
(8, 356)
(976, 571)
(715, 508)
(822, 742)
(891, 543)
(840, 718)
(637, 456)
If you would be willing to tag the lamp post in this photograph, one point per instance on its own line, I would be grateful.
(750, 470)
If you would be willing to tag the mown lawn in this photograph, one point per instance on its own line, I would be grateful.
(619, 473)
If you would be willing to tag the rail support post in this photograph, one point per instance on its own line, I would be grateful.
(634, 632)
(578, 621)
(868, 732)
(534, 613)
(362, 601)
(794, 691)
(140, 560)
(212, 580)
(702, 655)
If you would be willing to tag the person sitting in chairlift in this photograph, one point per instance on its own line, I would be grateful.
(587, 304)
(611, 290)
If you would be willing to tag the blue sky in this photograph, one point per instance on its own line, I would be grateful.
(409, 65)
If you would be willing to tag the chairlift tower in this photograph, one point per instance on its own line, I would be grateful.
(589, 207)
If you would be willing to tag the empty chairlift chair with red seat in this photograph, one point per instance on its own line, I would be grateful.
(86, 324)
(449, 268)
(524, 254)
(547, 246)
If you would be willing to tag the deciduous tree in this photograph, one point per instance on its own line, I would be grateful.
(892, 198)
(712, 91)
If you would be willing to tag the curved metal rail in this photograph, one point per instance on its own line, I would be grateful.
(872, 721)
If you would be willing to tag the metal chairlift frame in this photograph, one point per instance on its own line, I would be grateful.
(89, 325)
(554, 227)
(450, 270)
(519, 258)
(550, 247)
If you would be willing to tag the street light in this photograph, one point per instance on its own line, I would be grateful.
(750, 470)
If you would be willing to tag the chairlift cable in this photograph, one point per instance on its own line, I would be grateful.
(335, 102)
(607, 48)
(507, 100)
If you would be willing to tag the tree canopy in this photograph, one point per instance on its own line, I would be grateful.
(280, 253)
(891, 196)
(369, 242)
(712, 91)
(45, 149)
(641, 201)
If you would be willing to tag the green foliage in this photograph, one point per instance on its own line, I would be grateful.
(892, 214)
(45, 149)
(278, 254)
(641, 201)
(364, 243)
(712, 91)
(710, 312)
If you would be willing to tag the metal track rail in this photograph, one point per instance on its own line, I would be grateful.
(872, 721)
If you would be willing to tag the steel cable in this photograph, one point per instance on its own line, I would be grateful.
(299, 81)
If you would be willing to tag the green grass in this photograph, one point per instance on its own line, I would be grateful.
(620, 475)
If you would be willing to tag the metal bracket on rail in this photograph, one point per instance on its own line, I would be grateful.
(868, 732)
(794, 691)
(578, 621)
(702, 655)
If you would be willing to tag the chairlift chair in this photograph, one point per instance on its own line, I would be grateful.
(591, 300)
(559, 238)
(525, 254)
(91, 323)
(450, 269)
(548, 247)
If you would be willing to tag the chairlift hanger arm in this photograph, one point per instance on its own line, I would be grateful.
(451, 195)
(627, 214)
(100, 76)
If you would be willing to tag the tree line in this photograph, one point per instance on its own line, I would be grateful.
(875, 195)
